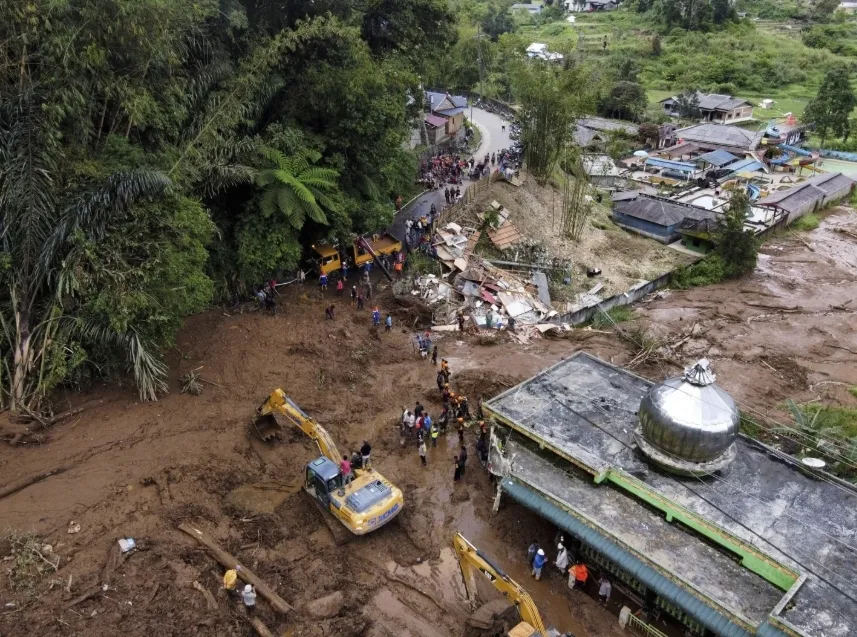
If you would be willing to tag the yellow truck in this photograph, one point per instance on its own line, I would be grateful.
(363, 250)
(363, 505)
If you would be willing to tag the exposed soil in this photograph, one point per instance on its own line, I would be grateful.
(138, 470)
(789, 330)
(624, 258)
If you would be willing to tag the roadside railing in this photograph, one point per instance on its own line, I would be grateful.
(638, 627)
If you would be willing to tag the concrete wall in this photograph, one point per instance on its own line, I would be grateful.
(664, 234)
(626, 298)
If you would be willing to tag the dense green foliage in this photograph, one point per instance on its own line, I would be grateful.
(737, 246)
(830, 110)
(707, 271)
(806, 223)
(158, 154)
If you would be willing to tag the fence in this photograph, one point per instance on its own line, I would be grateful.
(638, 627)
(455, 211)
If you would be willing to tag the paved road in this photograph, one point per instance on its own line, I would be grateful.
(494, 138)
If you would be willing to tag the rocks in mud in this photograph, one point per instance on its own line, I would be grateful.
(325, 607)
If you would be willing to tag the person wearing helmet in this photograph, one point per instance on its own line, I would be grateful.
(230, 579)
(539, 563)
(460, 425)
(248, 595)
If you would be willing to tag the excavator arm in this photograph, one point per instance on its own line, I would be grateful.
(279, 406)
(473, 561)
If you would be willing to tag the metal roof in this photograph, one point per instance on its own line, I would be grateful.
(435, 121)
(715, 101)
(718, 157)
(664, 212)
(672, 165)
(665, 588)
(749, 165)
(721, 135)
(813, 189)
(603, 124)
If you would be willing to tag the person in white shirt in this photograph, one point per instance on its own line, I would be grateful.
(248, 595)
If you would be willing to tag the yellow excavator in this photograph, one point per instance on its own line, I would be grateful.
(475, 563)
(363, 505)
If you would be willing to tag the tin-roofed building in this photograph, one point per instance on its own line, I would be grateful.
(810, 195)
(715, 107)
(764, 546)
(450, 107)
(654, 217)
(734, 139)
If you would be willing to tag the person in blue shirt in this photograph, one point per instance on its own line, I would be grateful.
(388, 323)
(322, 282)
(376, 316)
(538, 563)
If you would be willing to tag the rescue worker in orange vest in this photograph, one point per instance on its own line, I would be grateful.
(578, 574)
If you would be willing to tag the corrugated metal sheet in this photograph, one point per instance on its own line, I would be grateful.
(712, 619)
(505, 237)
(672, 165)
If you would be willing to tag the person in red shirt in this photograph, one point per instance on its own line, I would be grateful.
(345, 468)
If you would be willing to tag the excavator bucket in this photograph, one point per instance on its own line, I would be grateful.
(270, 426)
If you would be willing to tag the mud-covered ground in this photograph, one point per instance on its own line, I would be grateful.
(138, 470)
(127, 469)
(787, 331)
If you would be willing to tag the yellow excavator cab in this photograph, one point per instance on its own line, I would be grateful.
(366, 503)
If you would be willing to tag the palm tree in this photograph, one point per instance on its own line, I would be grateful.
(39, 258)
(296, 187)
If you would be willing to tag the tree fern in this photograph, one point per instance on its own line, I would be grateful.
(296, 187)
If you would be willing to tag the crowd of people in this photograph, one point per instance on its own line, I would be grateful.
(418, 427)
(441, 168)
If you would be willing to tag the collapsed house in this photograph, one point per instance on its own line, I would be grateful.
(690, 519)
(487, 295)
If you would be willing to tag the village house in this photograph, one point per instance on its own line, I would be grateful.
(702, 138)
(590, 5)
(714, 107)
(448, 107)
(532, 9)
(539, 51)
(809, 196)
(654, 217)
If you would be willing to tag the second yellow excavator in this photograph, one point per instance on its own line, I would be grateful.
(475, 563)
(363, 505)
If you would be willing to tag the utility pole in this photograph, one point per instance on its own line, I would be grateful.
(479, 56)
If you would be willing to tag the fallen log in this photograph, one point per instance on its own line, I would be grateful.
(261, 629)
(20, 485)
(209, 598)
(245, 574)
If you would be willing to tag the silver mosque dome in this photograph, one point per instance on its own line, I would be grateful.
(688, 424)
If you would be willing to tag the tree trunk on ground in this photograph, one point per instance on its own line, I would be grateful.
(245, 574)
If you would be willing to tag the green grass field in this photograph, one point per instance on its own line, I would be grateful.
(765, 61)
